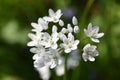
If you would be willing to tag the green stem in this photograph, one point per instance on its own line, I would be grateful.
(65, 67)
(85, 12)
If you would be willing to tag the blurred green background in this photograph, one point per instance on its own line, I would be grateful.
(16, 16)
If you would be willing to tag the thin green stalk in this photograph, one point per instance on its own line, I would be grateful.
(65, 67)
(85, 12)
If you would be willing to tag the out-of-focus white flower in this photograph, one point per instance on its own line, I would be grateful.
(55, 58)
(92, 32)
(61, 23)
(73, 59)
(36, 39)
(60, 70)
(53, 16)
(76, 29)
(42, 25)
(69, 43)
(89, 52)
(50, 58)
(44, 72)
(74, 21)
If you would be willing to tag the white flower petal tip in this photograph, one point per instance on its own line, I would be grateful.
(89, 52)
(74, 21)
(92, 33)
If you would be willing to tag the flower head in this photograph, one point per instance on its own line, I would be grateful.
(92, 32)
(89, 52)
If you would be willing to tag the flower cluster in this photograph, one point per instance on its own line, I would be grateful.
(45, 45)
(50, 41)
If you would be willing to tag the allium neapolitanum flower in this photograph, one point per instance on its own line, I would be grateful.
(92, 32)
(45, 45)
(49, 46)
(89, 52)
(69, 43)
(53, 16)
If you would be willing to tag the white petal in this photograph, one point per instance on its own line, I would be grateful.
(71, 37)
(86, 32)
(49, 19)
(44, 72)
(86, 47)
(34, 25)
(65, 40)
(74, 21)
(58, 13)
(54, 46)
(95, 40)
(33, 50)
(51, 12)
(96, 29)
(53, 65)
(40, 20)
(85, 57)
(76, 29)
(31, 36)
(35, 57)
(76, 42)
(90, 27)
(61, 36)
(67, 50)
(64, 30)
(54, 28)
(39, 63)
(91, 58)
(96, 53)
(31, 43)
(61, 23)
(74, 47)
(70, 29)
(60, 70)
(100, 35)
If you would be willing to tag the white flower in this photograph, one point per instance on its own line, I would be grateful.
(89, 52)
(73, 59)
(36, 39)
(93, 33)
(74, 21)
(50, 41)
(53, 16)
(55, 58)
(42, 25)
(69, 43)
(59, 70)
(44, 72)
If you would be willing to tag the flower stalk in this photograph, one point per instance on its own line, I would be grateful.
(65, 67)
